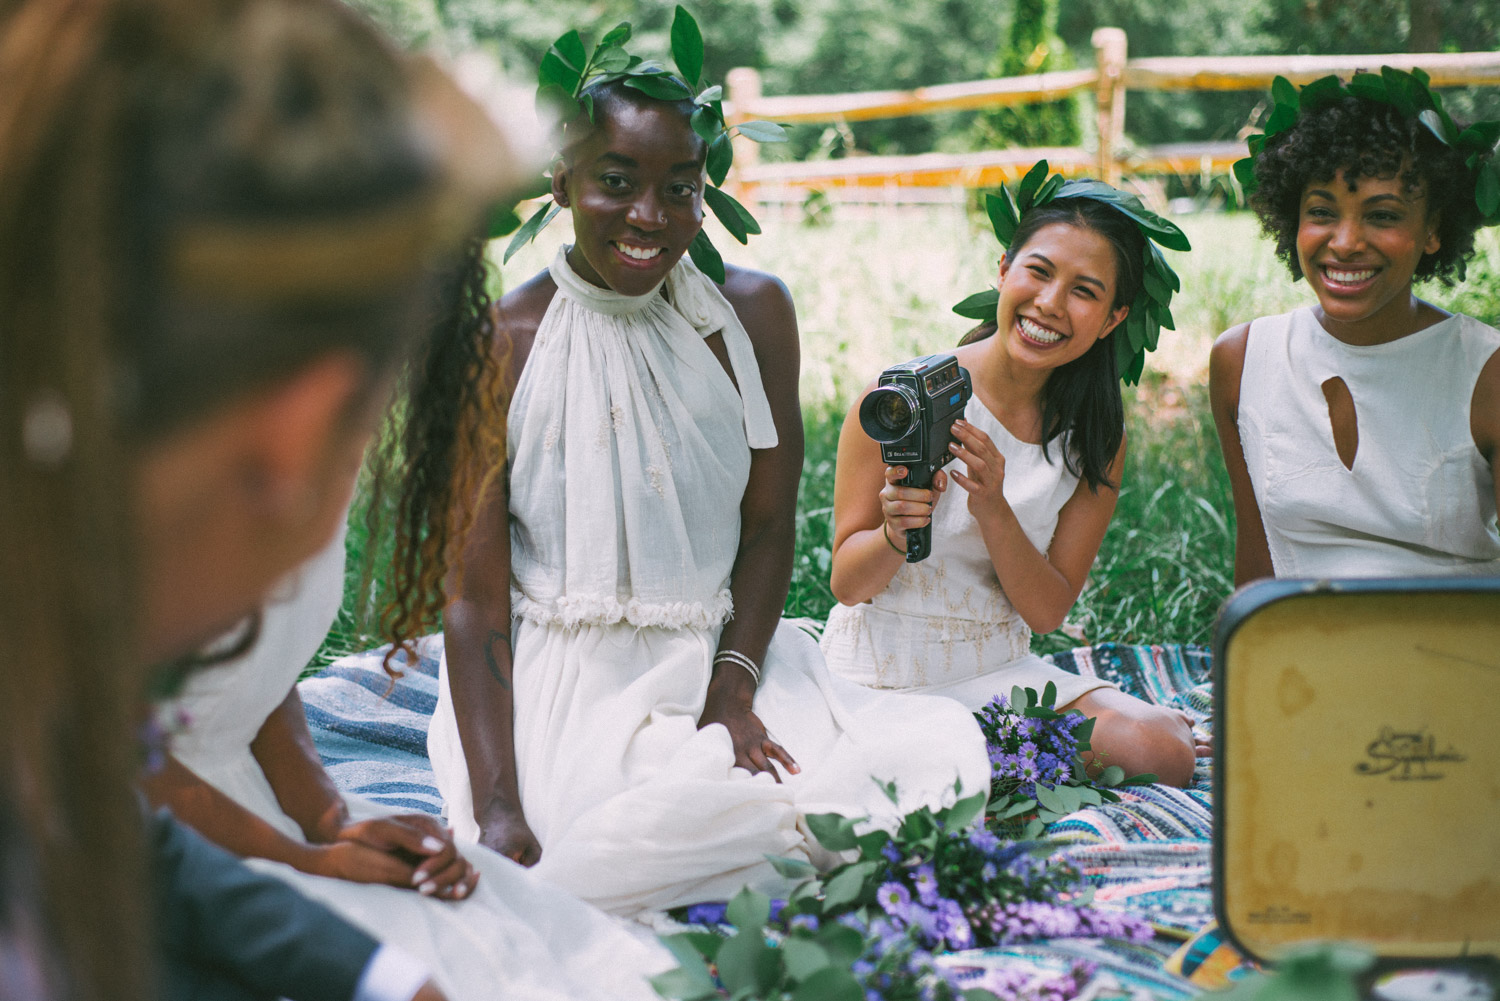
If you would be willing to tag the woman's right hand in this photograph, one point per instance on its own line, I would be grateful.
(503, 829)
(414, 852)
(905, 508)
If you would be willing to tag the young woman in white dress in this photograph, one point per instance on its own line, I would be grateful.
(1361, 432)
(1018, 518)
(596, 711)
(243, 770)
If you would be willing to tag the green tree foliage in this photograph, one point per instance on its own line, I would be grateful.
(1032, 46)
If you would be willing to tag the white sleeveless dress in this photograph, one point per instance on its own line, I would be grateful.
(944, 626)
(1420, 498)
(630, 453)
(515, 937)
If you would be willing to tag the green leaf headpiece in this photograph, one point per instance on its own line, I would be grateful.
(1149, 312)
(568, 70)
(1412, 97)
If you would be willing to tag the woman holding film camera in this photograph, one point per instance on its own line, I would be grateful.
(1040, 450)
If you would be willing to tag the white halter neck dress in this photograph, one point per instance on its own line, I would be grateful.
(944, 626)
(515, 937)
(1419, 499)
(630, 453)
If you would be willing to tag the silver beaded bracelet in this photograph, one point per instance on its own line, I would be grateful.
(735, 657)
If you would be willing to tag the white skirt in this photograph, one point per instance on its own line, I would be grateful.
(637, 809)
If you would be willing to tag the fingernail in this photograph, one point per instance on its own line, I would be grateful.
(431, 844)
(418, 877)
(427, 889)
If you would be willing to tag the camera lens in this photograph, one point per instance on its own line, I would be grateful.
(888, 413)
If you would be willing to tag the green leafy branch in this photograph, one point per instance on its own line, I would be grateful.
(1412, 95)
(569, 71)
(1151, 309)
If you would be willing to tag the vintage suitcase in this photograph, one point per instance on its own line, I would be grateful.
(1357, 767)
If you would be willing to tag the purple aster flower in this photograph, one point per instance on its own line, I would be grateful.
(891, 852)
(925, 880)
(806, 922)
(983, 839)
(706, 914)
(893, 898)
(988, 872)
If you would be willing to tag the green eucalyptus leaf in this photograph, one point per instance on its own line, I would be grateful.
(829, 984)
(1050, 801)
(1109, 796)
(1048, 190)
(748, 910)
(1088, 796)
(962, 813)
(888, 790)
(1047, 816)
(687, 46)
(1143, 779)
(1435, 124)
(660, 86)
(806, 897)
(1049, 695)
(1154, 286)
(834, 831)
(1131, 373)
(761, 131)
(1135, 329)
(981, 305)
(978, 994)
(1112, 776)
(1030, 184)
(616, 36)
(1071, 799)
(843, 943)
(1033, 829)
(802, 957)
(569, 48)
(1283, 91)
(613, 60)
(1003, 218)
(1321, 91)
(681, 985)
(1158, 263)
(706, 942)
(720, 158)
(1019, 807)
(555, 72)
(1481, 136)
(706, 256)
(709, 96)
(746, 963)
(1399, 90)
(847, 885)
(502, 220)
(1367, 85)
(1283, 117)
(1163, 317)
(1124, 352)
(735, 217)
(587, 103)
(792, 868)
(1487, 189)
(530, 229)
(1244, 172)
(872, 841)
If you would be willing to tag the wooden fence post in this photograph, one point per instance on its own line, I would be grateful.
(1109, 93)
(742, 91)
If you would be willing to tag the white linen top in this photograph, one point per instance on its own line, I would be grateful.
(1420, 498)
(669, 429)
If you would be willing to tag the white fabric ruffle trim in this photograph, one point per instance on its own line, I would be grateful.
(572, 611)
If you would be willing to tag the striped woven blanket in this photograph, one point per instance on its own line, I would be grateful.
(1150, 854)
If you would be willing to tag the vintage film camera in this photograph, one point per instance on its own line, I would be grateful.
(911, 412)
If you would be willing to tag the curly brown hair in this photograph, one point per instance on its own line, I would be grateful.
(1367, 138)
(441, 448)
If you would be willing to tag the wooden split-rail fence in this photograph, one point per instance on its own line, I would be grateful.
(1110, 78)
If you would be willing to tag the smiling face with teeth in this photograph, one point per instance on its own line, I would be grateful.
(1358, 246)
(1057, 295)
(633, 182)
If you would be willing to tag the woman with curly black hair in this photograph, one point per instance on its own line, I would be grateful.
(1361, 432)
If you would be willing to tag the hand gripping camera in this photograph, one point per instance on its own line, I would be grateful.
(911, 412)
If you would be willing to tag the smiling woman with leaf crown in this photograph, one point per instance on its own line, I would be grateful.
(1362, 433)
(1082, 295)
(662, 731)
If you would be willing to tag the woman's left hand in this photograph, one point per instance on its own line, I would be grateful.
(985, 480)
(754, 750)
(441, 871)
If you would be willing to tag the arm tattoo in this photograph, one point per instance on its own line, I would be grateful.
(496, 636)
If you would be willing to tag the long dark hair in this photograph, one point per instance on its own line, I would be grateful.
(156, 157)
(1082, 398)
(441, 447)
